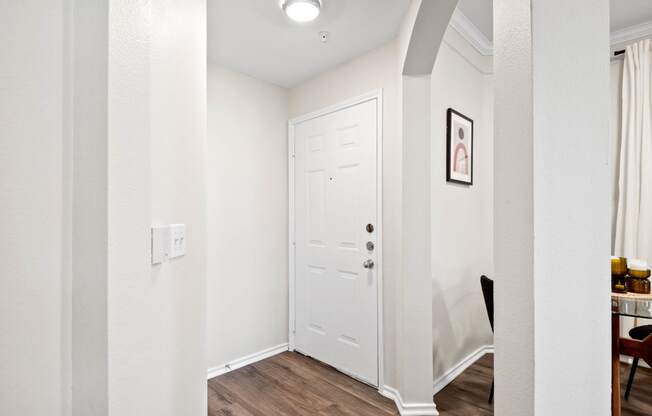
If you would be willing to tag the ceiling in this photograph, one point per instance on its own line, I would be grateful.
(624, 14)
(627, 13)
(256, 38)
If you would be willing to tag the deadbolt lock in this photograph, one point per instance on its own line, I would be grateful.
(370, 246)
(370, 228)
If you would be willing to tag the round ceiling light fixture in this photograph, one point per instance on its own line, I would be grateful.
(302, 11)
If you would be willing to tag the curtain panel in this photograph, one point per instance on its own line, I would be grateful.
(633, 237)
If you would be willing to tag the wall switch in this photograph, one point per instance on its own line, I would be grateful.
(160, 243)
(177, 240)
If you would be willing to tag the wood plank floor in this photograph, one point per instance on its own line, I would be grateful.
(290, 384)
(468, 394)
(640, 400)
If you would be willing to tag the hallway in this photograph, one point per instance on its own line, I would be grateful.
(191, 189)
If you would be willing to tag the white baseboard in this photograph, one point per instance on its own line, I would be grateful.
(409, 409)
(459, 368)
(247, 360)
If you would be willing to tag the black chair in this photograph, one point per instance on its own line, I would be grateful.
(488, 293)
(638, 333)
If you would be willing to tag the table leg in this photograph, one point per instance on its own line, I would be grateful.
(615, 365)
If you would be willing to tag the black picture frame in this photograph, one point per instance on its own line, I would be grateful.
(450, 115)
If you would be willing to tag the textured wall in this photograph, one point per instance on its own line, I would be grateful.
(34, 273)
(247, 194)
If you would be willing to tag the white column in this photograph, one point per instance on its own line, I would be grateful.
(415, 353)
(89, 208)
(156, 142)
(552, 221)
(419, 41)
(139, 125)
(34, 209)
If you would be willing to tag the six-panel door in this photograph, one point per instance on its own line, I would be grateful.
(335, 199)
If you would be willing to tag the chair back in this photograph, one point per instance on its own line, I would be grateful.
(488, 293)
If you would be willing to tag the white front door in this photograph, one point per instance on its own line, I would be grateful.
(336, 228)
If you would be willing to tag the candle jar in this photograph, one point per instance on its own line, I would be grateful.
(641, 286)
(619, 266)
(619, 283)
(638, 281)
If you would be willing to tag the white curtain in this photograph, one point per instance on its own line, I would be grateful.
(634, 216)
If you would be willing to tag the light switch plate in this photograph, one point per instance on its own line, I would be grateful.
(177, 240)
(160, 243)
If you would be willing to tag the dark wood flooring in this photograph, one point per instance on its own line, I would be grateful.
(290, 384)
(468, 394)
(640, 400)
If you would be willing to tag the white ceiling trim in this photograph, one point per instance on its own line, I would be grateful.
(485, 47)
(465, 27)
(631, 33)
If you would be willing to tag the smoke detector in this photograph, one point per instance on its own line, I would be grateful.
(324, 37)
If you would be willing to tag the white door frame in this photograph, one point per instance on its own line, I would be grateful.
(373, 95)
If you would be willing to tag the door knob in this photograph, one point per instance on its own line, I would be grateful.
(368, 264)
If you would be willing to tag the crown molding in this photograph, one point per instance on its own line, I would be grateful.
(484, 46)
(471, 33)
(459, 45)
(631, 33)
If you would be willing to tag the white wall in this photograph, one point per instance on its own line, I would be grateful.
(156, 153)
(462, 216)
(34, 272)
(247, 216)
(571, 117)
(89, 208)
(374, 70)
(142, 146)
(552, 215)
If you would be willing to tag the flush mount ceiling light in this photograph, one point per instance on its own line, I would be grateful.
(302, 11)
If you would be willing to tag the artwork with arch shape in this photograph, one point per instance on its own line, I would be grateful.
(459, 148)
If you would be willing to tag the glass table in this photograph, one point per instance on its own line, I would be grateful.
(636, 306)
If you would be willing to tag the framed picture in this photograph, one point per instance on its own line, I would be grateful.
(459, 148)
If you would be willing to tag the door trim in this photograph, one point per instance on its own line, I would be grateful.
(370, 96)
